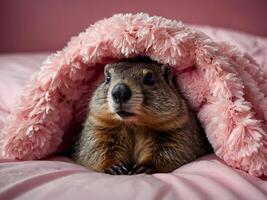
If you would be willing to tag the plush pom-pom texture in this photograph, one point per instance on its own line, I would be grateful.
(226, 88)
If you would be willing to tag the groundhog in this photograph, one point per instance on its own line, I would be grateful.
(138, 122)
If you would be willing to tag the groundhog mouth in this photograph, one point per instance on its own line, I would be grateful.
(124, 114)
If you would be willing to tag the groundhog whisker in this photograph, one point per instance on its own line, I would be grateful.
(135, 102)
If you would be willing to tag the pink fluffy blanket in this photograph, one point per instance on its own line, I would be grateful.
(225, 86)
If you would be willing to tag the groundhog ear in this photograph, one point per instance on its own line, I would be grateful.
(106, 68)
(167, 73)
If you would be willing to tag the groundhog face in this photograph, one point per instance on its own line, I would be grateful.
(143, 93)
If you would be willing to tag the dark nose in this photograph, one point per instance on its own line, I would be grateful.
(121, 93)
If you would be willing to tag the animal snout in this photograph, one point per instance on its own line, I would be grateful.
(121, 93)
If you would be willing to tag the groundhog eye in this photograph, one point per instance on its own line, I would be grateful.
(149, 79)
(108, 78)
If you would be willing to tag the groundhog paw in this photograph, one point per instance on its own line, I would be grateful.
(119, 169)
(139, 169)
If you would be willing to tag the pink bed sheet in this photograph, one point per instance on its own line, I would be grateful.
(59, 178)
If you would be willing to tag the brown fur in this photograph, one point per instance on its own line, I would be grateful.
(162, 136)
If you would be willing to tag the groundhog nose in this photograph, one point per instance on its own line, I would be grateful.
(121, 93)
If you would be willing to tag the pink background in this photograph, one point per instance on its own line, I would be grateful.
(32, 25)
